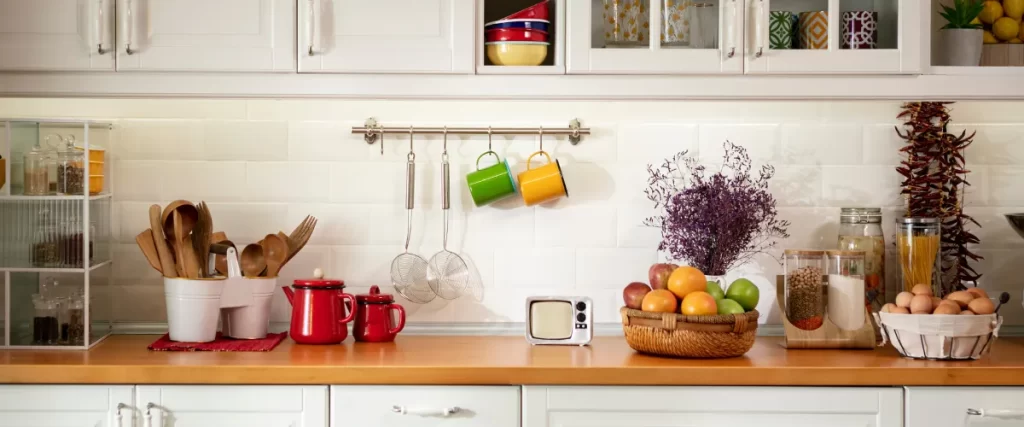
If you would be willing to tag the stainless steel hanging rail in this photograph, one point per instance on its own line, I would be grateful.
(372, 129)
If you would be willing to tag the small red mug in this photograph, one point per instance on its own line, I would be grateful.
(374, 322)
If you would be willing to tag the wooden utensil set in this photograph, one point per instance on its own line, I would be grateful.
(181, 238)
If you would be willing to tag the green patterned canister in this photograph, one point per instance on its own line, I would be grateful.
(780, 29)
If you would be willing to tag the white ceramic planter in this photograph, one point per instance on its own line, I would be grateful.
(961, 47)
(253, 320)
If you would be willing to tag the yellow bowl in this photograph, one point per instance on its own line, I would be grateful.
(95, 168)
(95, 154)
(95, 184)
(517, 53)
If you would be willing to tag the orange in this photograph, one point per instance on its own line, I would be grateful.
(699, 304)
(659, 301)
(685, 280)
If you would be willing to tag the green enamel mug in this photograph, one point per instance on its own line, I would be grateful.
(491, 183)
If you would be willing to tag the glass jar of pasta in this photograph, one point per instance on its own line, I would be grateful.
(918, 248)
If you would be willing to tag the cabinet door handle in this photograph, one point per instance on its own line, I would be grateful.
(1009, 414)
(443, 412)
(732, 29)
(120, 406)
(311, 25)
(759, 25)
(149, 415)
(129, 27)
(100, 26)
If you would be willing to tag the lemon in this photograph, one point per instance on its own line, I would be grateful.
(1005, 28)
(993, 10)
(1014, 8)
(1015, 41)
(990, 38)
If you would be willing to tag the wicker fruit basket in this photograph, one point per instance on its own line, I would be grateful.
(676, 335)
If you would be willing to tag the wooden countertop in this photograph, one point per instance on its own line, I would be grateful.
(499, 360)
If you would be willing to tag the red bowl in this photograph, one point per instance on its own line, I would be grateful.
(515, 35)
(537, 11)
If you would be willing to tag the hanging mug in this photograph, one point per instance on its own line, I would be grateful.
(543, 183)
(491, 183)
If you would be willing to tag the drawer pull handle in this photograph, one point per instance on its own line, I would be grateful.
(149, 415)
(997, 413)
(118, 415)
(444, 412)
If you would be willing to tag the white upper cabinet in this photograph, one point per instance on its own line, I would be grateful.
(65, 405)
(56, 35)
(204, 35)
(834, 36)
(655, 37)
(386, 36)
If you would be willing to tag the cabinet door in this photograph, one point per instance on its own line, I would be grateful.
(425, 406)
(834, 36)
(64, 405)
(203, 35)
(654, 37)
(386, 36)
(948, 406)
(233, 406)
(56, 35)
(711, 407)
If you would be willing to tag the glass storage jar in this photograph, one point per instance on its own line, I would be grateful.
(846, 289)
(44, 321)
(36, 172)
(860, 229)
(918, 248)
(804, 289)
(76, 320)
(71, 177)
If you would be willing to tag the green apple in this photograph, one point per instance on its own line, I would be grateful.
(728, 306)
(715, 290)
(744, 292)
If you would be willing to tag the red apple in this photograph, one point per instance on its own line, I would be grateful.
(634, 294)
(659, 273)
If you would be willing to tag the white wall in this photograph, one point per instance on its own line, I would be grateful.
(264, 164)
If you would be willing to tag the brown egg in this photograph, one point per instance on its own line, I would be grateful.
(921, 289)
(936, 301)
(903, 299)
(982, 306)
(888, 308)
(947, 302)
(962, 298)
(947, 309)
(899, 310)
(967, 313)
(921, 304)
(978, 292)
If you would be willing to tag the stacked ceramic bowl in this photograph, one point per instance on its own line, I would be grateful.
(520, 39)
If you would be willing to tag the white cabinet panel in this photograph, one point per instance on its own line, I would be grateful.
(947, 406)
(711, 406)
(64, 405)
(386, 36)
(202, 35)
(56, 35)
(424, 406)
(234, 406)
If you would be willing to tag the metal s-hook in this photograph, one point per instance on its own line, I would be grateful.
(489, 133)
(412, 154)
(444, 151)
(541, 139)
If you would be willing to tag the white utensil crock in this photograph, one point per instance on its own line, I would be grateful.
(192, 308)
(251, 321)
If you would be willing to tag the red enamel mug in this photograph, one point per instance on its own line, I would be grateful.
(374, 322)
(320, 311)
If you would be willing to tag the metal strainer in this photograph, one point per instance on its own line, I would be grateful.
(448, 273)
(408, 270)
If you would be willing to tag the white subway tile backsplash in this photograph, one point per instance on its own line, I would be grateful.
(830, 144)
(1005, 185)
(367, 183)
(613, 268)
(761, 141)
(547, 268)
(882, 144)
(644, 144)
(286, 182)
(588, 182)
(336, 224)
(160, 140)
(492, 227)
(797, 186)
(326, 141)
(249, 222)
(861, 185)
(245, 140)
(576, 226)
(632, 232)
(994, 144)
(363, 266)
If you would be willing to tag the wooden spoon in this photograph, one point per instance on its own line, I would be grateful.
(253, 262)
(221, 260)
(189, 216)
(177, 240)
(148, 246)
(276, 252)
(167, 264)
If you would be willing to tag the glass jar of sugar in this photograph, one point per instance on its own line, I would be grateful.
(846, 289)
(860, 229)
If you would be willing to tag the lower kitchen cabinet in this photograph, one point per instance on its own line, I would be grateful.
(947, 406)
(232, 406)
(711, 406)
(425, 406)
(64, 405)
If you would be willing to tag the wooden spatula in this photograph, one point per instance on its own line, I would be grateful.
(148, 246)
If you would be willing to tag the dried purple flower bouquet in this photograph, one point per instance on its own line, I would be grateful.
(714, 222)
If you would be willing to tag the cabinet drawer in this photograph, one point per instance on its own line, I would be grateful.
(234, 406)
(372, 406)
(712, 406)
(947, 406)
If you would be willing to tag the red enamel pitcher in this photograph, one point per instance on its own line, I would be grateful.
(320, 311)
(374, 322)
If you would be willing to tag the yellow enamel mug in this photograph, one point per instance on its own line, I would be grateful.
(543, 183)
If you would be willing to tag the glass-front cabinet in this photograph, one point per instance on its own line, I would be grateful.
(834, 36)
(655, 37)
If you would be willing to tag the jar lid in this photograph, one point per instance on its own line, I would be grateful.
(318, 281)
(842, 253)
(860, 211)
(804, 252)
(375, 296)
(917, 220)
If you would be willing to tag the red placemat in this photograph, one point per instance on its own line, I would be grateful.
(220, 344)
